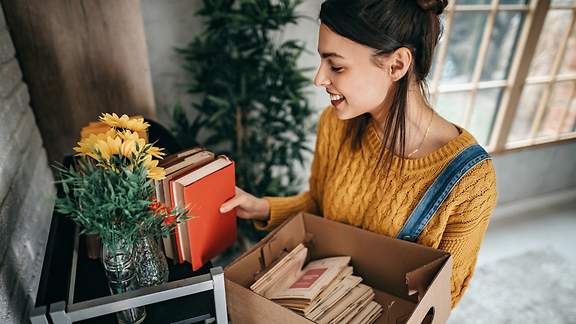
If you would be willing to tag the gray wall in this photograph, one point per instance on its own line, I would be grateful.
(171, 23)
(535, 172)
(168, 24)
(26, 190)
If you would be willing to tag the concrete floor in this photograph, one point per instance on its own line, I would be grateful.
(553, 226)
(549, 229)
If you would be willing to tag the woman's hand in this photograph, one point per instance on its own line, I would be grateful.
(249, 207)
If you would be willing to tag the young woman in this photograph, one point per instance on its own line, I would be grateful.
(380, 146)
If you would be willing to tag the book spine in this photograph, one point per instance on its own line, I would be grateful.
(166, 241)
(178, 256)
(183, 243)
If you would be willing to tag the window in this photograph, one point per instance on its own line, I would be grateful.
(506, 71)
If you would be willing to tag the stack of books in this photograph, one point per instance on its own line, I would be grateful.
(200, 181)
(323, 291)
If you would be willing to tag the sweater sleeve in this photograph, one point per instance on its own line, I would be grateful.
(282, 208)
(466, 226)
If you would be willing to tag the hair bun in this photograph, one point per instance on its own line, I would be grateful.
(435, 6)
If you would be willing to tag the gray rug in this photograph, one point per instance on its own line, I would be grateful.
(534, 287)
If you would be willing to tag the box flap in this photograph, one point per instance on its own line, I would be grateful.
(247, 307)
(332, 238)
(262, 256)
(436, 302)
(418, 281)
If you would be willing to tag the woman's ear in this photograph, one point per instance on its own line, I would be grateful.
(399, 63)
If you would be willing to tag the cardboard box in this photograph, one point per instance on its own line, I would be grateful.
(410, 280)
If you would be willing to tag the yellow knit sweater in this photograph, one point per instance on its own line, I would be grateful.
(342, 188)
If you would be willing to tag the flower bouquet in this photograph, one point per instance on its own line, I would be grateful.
(109, 192)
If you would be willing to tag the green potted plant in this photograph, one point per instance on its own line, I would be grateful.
(253, 103)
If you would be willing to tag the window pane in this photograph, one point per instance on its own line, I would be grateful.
(557, 21)
(463, 47)
(514, 1)
(557, 104)
(569, 63)
(452, 106)
(525, 113)
(437, 50)
(502, 43)
(570, 121)
(475, 2)
(484, 114)
(563, 2)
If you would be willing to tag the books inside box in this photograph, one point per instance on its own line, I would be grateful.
(323, 291)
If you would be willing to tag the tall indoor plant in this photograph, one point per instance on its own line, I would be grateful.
(252, 93)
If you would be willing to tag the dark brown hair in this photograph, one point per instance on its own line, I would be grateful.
(385, 26)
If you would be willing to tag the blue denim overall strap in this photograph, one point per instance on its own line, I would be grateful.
(440, 189)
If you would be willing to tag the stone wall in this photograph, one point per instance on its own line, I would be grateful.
(26, 190)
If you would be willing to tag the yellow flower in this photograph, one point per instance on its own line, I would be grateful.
(156, 152)
(114, 145)
(93, 138)
(124, 138)
(137, 125)
(134, 124)
(148, 162)
(113, 120)
(87, 146)
(128, 148)
(156, 173)
(135, 137)
(128, 135)
(83, 150)
(102, 145)
(104, 148)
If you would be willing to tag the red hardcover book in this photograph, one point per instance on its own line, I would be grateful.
(171, 164)
(203, 191)
(194, 162)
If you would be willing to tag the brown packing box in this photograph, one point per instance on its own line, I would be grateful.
(413, 279)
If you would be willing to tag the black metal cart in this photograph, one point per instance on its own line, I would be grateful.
(73, 288)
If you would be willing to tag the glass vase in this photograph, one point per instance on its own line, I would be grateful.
(151, 265)
(118, 260)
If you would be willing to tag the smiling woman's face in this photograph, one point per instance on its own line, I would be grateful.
(356, 85)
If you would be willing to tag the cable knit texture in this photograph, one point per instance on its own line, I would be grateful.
(344, 188)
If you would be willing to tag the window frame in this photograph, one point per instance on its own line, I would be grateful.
(535, 13)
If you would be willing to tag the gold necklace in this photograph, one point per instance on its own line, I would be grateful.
(425, 135)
